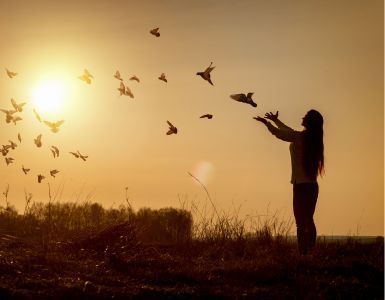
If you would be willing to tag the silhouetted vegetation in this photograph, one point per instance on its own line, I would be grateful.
(72, 250)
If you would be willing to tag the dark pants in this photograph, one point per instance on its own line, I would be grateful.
(304, 201)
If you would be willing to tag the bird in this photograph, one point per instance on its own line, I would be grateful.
(83, 157)
(208, 116)
(10, 73)
(128, 92)
(25, 170)
(38, 142)
(15, 119)
(55, 151)
(5, 149)
(172, 129)
(8, 115)
(122, 89)
(244, 98)
(17, 107)
(162, 77)
(9, 160)
(206, 74)
(117, 76)
(54, 125)
(86, 77)
(40, 178)
(135, 78)
(12, 144)
(54, 172)
(155, 32)
(37, 115)
(19, 137)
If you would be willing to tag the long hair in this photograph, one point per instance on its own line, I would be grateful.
(313, 158)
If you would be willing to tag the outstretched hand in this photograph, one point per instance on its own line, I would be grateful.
(271, 116)
(260, 119)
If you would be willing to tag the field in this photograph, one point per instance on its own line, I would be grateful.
(80, 251)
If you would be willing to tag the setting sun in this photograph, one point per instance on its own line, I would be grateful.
(49, 96)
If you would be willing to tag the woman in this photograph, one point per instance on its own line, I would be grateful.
(307, 162)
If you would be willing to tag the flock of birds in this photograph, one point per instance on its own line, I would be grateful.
(11, 115)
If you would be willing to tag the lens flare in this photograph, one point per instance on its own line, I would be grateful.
(49, 96)
(203, 170)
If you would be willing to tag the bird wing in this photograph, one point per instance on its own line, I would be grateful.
(87, 73)
(14, 104)
(249, 95)
(37, 115)
(169, 124)
(50, 124)
(236, 97)
(58, 123)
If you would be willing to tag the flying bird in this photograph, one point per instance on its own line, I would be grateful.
(37, 141)
(208, 116)
(155, 32)
(55, 151)
(53, 172)
(8, 115)
(54, 125)
(162, 77)
(40, 178)
(37, 115)
(83, 157)
(19, 137)
(5, 149)
(25, 170)
(15, 119)
(13, 145)
(244, 98)
(206, 74)
(17, 107)
(122, 89)
(9, 160)
(11, 74)
(86, 77)
(128, 92)
(172, 129)
(135, 78)
(117, 76)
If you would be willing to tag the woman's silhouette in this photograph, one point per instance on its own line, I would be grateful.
(307, 162)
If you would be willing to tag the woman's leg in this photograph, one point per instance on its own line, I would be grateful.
(300, 217)
(312, 201)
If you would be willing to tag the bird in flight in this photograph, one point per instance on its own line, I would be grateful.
(135, 78)
(162, 77)
(19, 137)
(9, 160)
(17, 107)
(172, 129)
(54, 172)
(5, 149)
(15, 119)
(10, 74)
(122, 89)
(117, 76)
(12, 144)
(37, 141)
(128, 92)
(25, 170)
(86, 77)
(40, 178)
(54, 125)
(206, 74)
(55, 151)
(37, 115)
(78, 155)
(155, 32)
(244, 98)
(208, 116)
(8, 115)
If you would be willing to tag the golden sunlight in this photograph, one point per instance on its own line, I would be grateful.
(49, 96)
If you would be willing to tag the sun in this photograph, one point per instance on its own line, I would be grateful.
(49, 96)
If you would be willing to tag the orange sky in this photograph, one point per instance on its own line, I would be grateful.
(294, 56)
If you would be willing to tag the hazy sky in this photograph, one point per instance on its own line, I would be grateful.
(294, 55)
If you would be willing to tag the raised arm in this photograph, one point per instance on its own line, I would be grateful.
(279, 123)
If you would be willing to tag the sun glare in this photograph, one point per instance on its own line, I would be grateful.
(49, 96)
